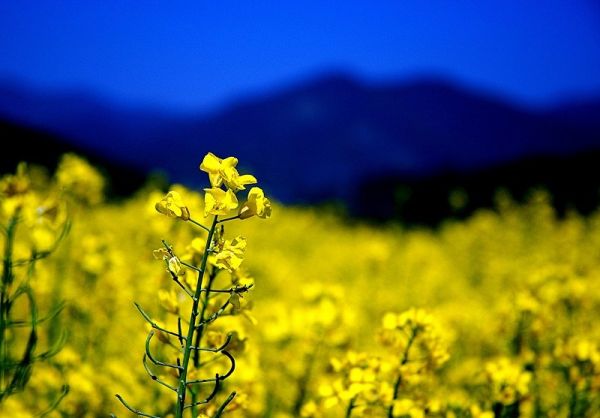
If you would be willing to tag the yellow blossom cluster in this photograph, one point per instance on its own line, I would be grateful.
(415, 334)
(508, 381)
(76, 176)
(203, 295)
(223, 172)
(357, 384)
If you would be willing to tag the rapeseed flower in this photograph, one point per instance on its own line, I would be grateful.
(80, 179)
(175, 267)
(219, 202)
(223, 171)
(172, 205)
(230, 257)
(161, 254)
(519, 282)
(14, 190)
(407, 408)
(507, 379)
(256, 204)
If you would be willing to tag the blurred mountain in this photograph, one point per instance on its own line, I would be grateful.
(571, 182)
(40, 148)
(583, 114)
(322, 139)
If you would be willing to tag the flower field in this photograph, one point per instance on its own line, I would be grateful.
(493, 316)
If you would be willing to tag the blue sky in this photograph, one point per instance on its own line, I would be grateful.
(201, 54)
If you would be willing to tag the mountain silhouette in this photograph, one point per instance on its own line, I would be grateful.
(318, 140)
(38, 147)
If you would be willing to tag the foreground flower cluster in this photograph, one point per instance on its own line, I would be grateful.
(493, 316)
(198, 280)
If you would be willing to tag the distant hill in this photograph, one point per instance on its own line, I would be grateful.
(37, 147)
(572, 182)
(320, 140)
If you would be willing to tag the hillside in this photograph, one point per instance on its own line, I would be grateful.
(332, 138)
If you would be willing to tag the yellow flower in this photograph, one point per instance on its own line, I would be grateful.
(218, 201)
(172, 205)
(420, 326)
(194, 251)
(213, 165)
(242, 278)
(161, 254)
(406, 407)
(223, 171)
(82, 180)
(236, 182)
(476, 412)
(257, 204)
(390, 321)
(508, 381)
(14, 190)
(309, 409)
(43, 238)
(231, 255)
(17, 184)
(175, 267)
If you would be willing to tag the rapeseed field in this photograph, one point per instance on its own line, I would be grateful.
(220, 302)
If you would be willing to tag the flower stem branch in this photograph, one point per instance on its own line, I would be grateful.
(403, 361)
(224, 404)
(199, 225)
(350, 407)
(229, 219)
(135, 411)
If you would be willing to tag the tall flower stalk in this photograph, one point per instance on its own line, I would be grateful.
(208, 303)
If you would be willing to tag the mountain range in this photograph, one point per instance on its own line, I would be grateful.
(329, 138)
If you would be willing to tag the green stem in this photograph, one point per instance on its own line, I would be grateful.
(535, 384)
(224, 405)
(404, 360)
(350, 408)
(573, 401)
(230, 219)
(182, 388)
(7, 276)
(194, 408)
(211, 278)
(199, 224)
(7, 279)
(54, 328)
(305, 379)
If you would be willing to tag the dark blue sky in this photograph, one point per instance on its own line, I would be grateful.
(198, 54)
